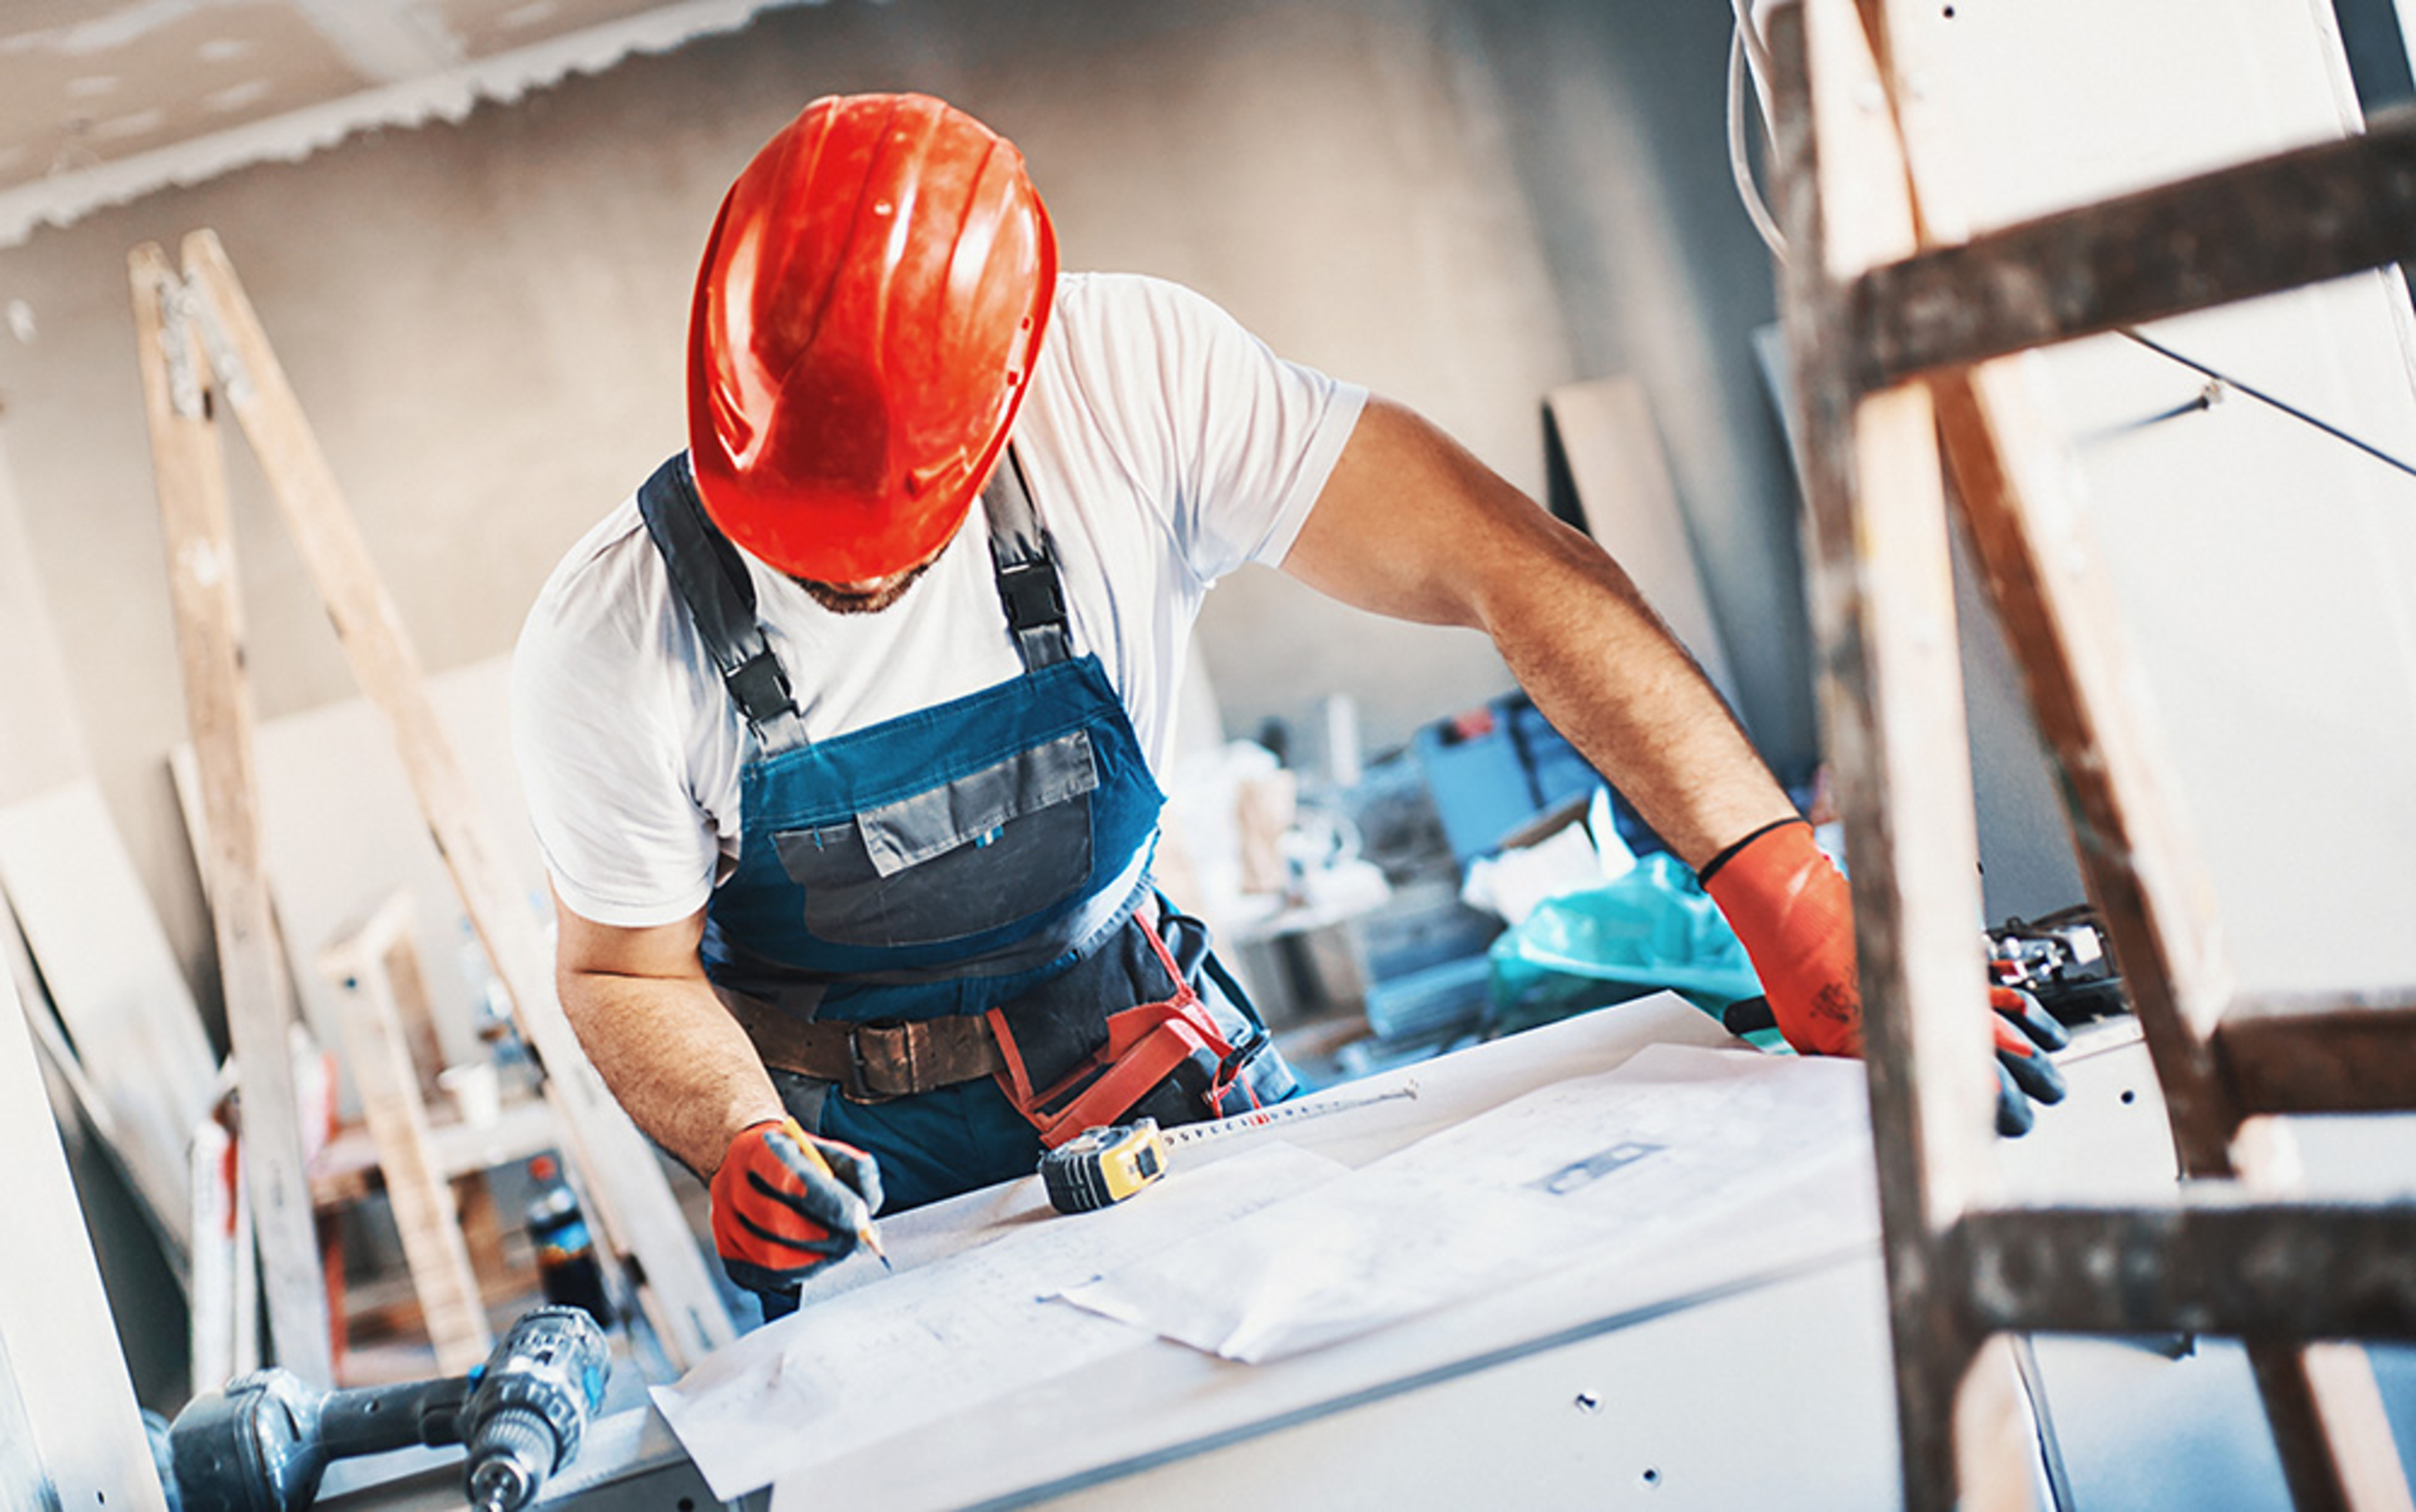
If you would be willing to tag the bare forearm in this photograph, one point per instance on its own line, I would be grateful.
(673, 1057)
(1411, 524)
(1610, 676)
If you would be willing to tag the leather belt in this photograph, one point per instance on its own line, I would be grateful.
(874, 1061)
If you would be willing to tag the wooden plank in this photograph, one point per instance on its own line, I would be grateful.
(2223, 1261)
(191, 477)
(2329, 1422)
(2279, 222)
(1601, 434)
(376, 968)
(107, 969)
(2328, 1056)
(344, 1170)
(1881, 593)
(57, 1342)
(632, 1200)
(2155, 899)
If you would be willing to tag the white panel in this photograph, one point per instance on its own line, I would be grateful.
(56, 1339)
(115, 982)
(2268, 572)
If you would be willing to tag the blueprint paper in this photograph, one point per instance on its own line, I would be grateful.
(1388, 1245)
(936, 1341)
(1620, 1162)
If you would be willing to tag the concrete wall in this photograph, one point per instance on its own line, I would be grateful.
(1461, 202)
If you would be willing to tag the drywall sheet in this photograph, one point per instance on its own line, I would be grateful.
(2267, 570)
(114, 980)
(63, 1382)
(342, 830)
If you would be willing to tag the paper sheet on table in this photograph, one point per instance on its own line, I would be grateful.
(1619, 1162)
(936, 1341)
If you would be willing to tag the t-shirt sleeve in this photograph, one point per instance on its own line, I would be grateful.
(604, 762)
(1244, 438)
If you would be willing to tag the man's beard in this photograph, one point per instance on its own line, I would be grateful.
(840, 601)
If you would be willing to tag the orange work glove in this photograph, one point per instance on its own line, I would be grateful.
(786, 1203)
(1794, 915)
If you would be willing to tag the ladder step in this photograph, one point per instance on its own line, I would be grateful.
(2213, 1264)
(2350, 1052)
(2255, 228)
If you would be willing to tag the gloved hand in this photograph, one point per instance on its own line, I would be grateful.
(786, 1203)
(1793, 914)
(2024, 1076)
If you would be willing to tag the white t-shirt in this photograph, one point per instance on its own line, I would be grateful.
(1165, 446)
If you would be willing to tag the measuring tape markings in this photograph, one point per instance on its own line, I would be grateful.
(1282, 1113)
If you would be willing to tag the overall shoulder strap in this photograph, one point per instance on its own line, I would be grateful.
(1026, 566)
(711, 580)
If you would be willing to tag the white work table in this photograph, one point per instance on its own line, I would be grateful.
(1158, 1403)
(1747, 1366)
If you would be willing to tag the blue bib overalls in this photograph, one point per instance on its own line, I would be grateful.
(987, 853)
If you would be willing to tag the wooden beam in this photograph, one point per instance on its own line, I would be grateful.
(1882, 602)
(346, 1169)
(2349, 1054)
(2256, 227)
(2047, 581)
(2235, 1265)
(632, 1200)
(376, 970)
(191, 476)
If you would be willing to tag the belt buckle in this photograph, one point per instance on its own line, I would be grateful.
(853, 1085)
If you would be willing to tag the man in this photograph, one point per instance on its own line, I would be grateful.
(840, 737)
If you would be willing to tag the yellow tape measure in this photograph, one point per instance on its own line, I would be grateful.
(1100, 1167)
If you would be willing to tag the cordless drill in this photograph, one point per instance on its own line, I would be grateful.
(262, 1443)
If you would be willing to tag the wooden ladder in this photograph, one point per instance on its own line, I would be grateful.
(1895, 324)
(201, 345)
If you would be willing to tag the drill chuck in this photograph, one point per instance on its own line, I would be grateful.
(516, 1450)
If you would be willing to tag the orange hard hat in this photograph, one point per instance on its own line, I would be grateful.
(872, 300)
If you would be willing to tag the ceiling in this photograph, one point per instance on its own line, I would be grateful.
(104, 100)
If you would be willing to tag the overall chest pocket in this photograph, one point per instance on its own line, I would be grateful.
(980, 852)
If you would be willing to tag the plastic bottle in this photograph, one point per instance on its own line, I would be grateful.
(566, 1268)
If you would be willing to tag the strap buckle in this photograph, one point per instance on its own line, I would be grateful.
(1031, 592)
(760, 686)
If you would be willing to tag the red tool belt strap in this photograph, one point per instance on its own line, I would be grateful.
(1144, 1046)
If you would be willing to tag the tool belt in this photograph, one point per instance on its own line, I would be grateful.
(1124, 1033)
(875, 1062)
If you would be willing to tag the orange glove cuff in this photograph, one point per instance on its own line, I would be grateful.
(1795, 916)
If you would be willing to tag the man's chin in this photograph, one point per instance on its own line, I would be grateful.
(845, 601)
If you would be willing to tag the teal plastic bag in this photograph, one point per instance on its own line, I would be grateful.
(1650, 929)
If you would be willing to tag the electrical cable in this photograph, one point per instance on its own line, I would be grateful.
(2336, 432)
(1745, 50)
